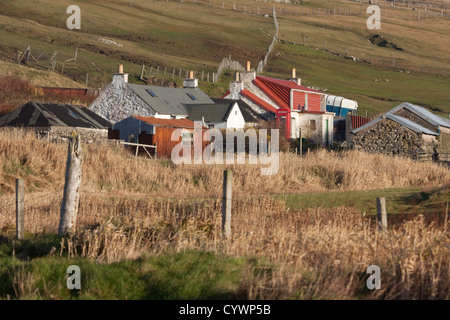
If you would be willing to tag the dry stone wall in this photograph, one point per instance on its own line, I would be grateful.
(389, 137)
(59, 134)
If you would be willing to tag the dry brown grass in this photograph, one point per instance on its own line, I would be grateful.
(109, 171)
(130, 207)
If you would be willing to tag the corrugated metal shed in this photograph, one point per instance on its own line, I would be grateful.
(358, 121)
(43, 115)
(423, 113)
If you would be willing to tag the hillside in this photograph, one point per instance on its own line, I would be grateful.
(169, 36)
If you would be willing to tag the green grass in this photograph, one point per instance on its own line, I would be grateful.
(398, 201)
(355, 80)
(162, 34)
(187, 275)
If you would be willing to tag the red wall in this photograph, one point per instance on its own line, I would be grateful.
(313, 100)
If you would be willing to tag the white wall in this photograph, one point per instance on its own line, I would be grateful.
(235, 118)
(317, 134)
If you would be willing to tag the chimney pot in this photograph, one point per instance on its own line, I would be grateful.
(248, 65)
(236, 76)
(293, 73)
(120, 68)
(190, 82)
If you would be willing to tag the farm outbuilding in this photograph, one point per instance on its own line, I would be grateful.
(407, 129)
(156, 132)
(57, 121)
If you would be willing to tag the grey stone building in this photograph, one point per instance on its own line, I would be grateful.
(120, 99)
(406, 130)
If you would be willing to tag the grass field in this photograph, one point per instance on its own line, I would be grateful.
(155, 228)
(198, 35)
(399, 201)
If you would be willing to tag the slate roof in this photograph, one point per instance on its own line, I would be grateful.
(214, 112)
(175, 123)
(247, 112)
(171, 101)
(41, 114)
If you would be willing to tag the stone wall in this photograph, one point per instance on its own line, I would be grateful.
(444, 141)
(59, 134)
(117, 102)
(389, 137)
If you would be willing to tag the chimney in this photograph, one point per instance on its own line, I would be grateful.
(120, 78)
(236, 87)
(294, 77)
(247, 76)
(190, 82)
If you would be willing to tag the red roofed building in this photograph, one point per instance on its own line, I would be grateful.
(156, 132)
(293, 105)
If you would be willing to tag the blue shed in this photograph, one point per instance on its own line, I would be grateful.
(130, 128)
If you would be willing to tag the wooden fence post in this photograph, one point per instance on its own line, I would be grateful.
(382, 214)
(300, 147)
(142, 72)
(226, 203)
(20, 216)
(71, 197)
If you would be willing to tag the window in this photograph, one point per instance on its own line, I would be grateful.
(235, 113)
(73, 114)
(131, 138)
(312, 124)
(150, 92)
(191, 96)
